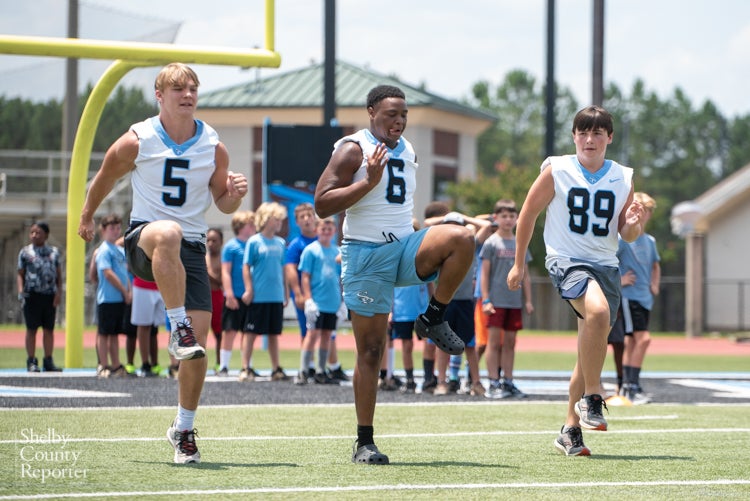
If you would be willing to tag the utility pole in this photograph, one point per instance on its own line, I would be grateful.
(329, 66)
(70, 104)
(550, 97)
(597, 78)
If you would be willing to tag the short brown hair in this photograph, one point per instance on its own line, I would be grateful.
(592, 118)
(110, 219)
(645, 200)
(436, 209)
(175, 74)
(505, 205)
(241, 218)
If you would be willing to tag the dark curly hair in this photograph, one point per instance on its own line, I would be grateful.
(381, 92)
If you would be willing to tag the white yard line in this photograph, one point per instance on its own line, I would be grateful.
(258, 438)
(384, 488)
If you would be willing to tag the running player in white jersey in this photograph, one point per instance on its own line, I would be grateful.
(589, 199)
(177, 165)
(372, 176)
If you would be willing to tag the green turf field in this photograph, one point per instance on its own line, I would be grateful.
(467, 451)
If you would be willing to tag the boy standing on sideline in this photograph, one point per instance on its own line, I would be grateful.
(307, 222)
(372, 176)
(113, 292)
(234, 314)
(265, 288)
(503, 308)
(321, 292)
(640, 275)
(177, 166)
(39, 289)
(214, 242)
(589, 199)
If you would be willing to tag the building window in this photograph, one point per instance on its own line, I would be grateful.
(443, 175)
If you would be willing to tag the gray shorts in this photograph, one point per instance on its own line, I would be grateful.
(571, 278)
(193, 257)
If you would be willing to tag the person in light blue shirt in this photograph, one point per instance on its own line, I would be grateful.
(234, 312)
(320, 268)
(113, 292)
(640, 273)
(265, 292)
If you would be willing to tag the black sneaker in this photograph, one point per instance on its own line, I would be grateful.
(338, 374)
(49, 365)
(454, 385)
(146, 371)
(248, 374)
(409, 387)
(429, 385)
(324, 378)
(32, 365)
(570, 442)
(301, 378)
(389, 384)
(279, 375)
(589, 411)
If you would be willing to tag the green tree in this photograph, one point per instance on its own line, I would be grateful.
(125, 107)
(25, 125)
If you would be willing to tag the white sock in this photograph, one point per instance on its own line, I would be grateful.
(176, 315)
(225, 356)
(185, 419)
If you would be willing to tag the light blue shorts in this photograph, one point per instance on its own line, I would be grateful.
(370, 271)
(571, 277)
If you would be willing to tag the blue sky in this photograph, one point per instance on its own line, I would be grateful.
(700, 46)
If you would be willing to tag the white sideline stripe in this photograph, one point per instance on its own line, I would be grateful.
(258, 438)
(399, 487)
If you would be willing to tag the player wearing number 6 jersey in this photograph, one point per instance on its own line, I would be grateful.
(589, 199)
(372, 176)
(177, 165)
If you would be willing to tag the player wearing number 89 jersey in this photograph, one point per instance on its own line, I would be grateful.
(582, 219)
(588, 199)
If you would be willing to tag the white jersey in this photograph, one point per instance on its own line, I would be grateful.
(582, 219)
(385, 213)
(170, 181)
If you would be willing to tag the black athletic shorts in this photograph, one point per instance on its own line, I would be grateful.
(110, 318)
(265, 318)
(39, 311)
(193, 257)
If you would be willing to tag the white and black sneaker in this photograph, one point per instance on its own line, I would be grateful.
(182, 342)
(185, 449)
(570, 442)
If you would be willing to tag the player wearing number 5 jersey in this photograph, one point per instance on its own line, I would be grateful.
(372, 176)
(177, 165)
(589, 199)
